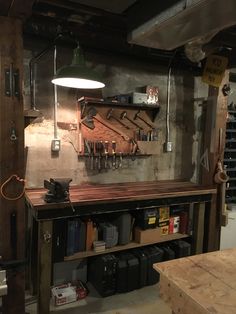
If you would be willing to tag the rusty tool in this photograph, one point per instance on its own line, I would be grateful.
(124, 116)
(137, 116)
(110, 115)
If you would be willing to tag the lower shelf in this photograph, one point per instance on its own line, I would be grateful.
(131, 245)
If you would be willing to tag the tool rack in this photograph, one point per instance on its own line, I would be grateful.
(110, 131)
(230, 154)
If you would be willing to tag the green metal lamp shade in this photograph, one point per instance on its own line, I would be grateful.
(78, 75)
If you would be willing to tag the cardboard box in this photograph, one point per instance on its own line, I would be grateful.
(147, 236)
(171, 225)
(164, 230)
(64, 294)
(164, 214)
(174, 224)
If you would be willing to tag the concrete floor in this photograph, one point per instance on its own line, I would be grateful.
(142, 301)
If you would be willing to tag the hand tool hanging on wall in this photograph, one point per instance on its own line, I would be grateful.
(120, 160)
(113, 147)
(137, 116)
(87, 152)
(111, 116)
(99, 150)
(92, 149)
(106, 151)
(124, 116)
(93, 114)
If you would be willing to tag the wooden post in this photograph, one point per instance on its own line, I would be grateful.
(44, 265)
(198, 228)
(12, 213)
(214, 141)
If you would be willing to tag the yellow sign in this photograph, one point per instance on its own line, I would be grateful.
(214, 70)
(152, 220)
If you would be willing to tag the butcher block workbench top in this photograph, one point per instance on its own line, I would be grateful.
(200, 284)
(86, 194)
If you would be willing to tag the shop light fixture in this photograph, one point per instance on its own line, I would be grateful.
(78, 75)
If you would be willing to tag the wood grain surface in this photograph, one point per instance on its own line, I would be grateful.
(86, 194)
(204, 283)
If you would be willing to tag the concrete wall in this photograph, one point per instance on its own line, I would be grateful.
(122, 75)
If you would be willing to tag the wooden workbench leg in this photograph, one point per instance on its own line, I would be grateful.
(198, 228)
(44, 266)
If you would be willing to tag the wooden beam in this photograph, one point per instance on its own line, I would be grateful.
(16, 8)
(12, 213)
(214, 142)
(4, 6)
(44, 265)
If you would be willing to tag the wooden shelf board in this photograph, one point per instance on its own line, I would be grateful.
(230, 130)
(131, 245)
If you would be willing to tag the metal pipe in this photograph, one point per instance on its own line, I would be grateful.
(168, 107)
(32, 66)
(55, 93)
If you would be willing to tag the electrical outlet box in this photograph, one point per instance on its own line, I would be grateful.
(168, 147)
(55, 145)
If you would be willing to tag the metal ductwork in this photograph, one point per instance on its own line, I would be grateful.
(188, 21)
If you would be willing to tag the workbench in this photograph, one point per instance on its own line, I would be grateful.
(92, 199)
(200, 284)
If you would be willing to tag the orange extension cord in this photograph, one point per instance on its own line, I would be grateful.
(6, 182)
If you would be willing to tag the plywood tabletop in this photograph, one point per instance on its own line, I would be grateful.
(204, 283)
(120, 192)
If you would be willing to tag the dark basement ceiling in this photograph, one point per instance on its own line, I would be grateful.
(103, 24)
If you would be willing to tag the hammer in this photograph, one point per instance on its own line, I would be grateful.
(124, 116)
(109, 116)
(137, 116)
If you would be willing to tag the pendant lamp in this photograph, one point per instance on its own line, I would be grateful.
(78, 75)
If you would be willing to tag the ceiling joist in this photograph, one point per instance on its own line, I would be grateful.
(16, 8)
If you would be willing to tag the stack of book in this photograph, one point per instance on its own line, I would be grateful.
(99, 246)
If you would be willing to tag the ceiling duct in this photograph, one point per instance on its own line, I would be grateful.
(187, 21)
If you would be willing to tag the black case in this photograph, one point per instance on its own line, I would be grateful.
(133, 272)
(102, 274)
(123, 223)
(181, 248)
(80, 236)
(59, 240)
(168, 253)
(121, 275)
(147, 218)
(127, 272)
(143, 267)
(154, 255)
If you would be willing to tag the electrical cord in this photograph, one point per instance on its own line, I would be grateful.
(6, 182)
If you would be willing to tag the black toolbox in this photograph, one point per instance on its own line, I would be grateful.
(127, 272)
(154, 255)
(102, 274)
(168, 253)
(181, 248)
(147, 218)
(143, 267)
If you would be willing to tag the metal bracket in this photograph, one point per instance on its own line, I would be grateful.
(12, 82)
